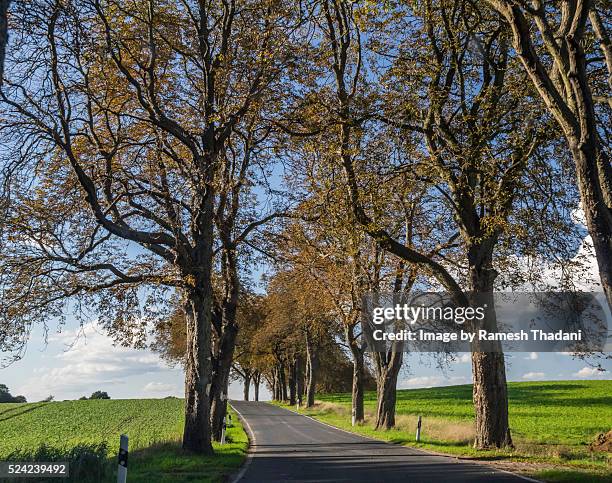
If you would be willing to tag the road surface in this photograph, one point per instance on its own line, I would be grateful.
(289, 447)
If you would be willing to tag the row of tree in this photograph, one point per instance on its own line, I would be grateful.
(154, 150)
(7, 397)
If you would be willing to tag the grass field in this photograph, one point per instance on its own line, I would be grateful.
(552, 425)
(88, 433)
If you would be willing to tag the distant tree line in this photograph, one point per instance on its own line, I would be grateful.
(96, 395)
(7, 397)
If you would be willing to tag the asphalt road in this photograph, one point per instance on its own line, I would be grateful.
(289, 447)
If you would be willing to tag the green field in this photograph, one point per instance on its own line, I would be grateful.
(88, 432)
(552, 424)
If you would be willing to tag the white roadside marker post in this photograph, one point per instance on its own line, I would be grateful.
(122, 459)
(418, 433)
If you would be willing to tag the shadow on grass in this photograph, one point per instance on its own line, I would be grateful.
(167, 461)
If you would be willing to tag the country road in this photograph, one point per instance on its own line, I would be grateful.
(289, 447)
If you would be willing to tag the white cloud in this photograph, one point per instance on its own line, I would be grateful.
(533, 356)
(531, 376)
(90, 362)
(590, 372)
(160, 388)
(434, 381)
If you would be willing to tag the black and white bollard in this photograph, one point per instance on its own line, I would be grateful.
(418, 433)
(122, 460)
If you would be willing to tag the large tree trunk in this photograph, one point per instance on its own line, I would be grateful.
(490, 396)
(313, 366)
(218, 408)
(198, 317)
(490, 393)
(388, 366)
(282, 380)
(389, 363)
(247, 385)
(226, 343)
(220, 380)
(292, 383)
(275, 384)
(197, 430)
(299, 380)
(256, 382)
(357, 411)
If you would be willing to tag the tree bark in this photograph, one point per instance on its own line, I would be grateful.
(490, 392)
(490, 396)
(226, 343)
(299, 380)
(218, 408)
(247, 385)
(292, 383)
(386, 384)
(198, 316)
(282, 382)
(256, 382)
(275, 384)
(220, 380)
(357, 411)
(313, 365)
(198, 372)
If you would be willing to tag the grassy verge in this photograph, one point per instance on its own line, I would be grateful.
(552, 425)
(86, 433)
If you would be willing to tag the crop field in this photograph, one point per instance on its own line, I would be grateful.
(552, 423)
(87, 433)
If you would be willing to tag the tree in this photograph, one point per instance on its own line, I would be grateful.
(251, 320)
(128, 163)
(99, 395)
(236, 218)
(7, 397)
(296, 300)
(558, 43)
(329, 251)
(450, 153)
